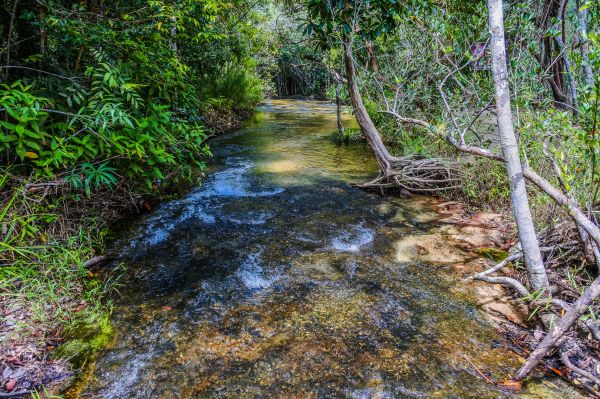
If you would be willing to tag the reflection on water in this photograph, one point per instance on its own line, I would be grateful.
(277, 279)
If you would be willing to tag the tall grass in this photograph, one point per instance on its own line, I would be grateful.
(43, 282)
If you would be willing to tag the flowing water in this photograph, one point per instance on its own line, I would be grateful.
(277, 279)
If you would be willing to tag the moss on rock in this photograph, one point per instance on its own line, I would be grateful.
(84, 338)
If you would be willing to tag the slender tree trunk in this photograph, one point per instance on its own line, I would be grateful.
(367, 126)
(173, 33)
(564, 54)
(372, 57)
(338, 103)
(584, 46)
(11, 27)
(551, 11)
(43, 35)
(510, 149)
(570, 80)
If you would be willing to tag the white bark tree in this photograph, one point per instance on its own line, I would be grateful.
(510, 149)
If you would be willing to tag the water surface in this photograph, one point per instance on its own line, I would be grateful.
(277, 279)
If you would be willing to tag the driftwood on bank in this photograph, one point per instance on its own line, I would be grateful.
(576, 310)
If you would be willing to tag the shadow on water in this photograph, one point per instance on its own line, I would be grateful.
(277, 279)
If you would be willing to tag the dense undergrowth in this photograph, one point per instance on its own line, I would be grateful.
(104, 108)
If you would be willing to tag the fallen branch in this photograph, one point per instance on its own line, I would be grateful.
(33, 187)
(506, 281)
(564, 356)
(95, 261)
(578, 308)
(16, 393)
(511, 258)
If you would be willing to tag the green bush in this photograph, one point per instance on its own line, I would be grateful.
(106, 138)
(238, 85)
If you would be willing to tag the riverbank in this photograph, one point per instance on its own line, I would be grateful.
(460, 246)
(54, 306)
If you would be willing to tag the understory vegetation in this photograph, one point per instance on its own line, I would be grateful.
(104, 107)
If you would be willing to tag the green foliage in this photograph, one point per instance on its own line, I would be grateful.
(484, 183)
(103, 128)
(349, 135)
(101, 101)
(90, 176)
(238, 87)
(21, 131)
(42, 272)
(122, 86)
(328, 20)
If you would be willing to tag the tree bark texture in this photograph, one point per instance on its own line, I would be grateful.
(510, 149)
(584, 46)
(384, 158)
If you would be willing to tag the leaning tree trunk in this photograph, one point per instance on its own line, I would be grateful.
(408, 173)
(384, 158)
(510, 149)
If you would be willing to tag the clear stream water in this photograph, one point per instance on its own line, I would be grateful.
(277, 279)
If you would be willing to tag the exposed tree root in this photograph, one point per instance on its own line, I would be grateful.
(408, 173)
(416, 175)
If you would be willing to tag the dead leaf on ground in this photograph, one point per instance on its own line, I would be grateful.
(512, 385)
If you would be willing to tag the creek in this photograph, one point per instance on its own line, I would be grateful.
(277, 279)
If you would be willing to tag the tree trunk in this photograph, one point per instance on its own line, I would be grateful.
(384, 158)
(372, 57)
(549, 58)
(11, 27)
(338, 104)
(584, 46)
(570, 80)
(510, 149)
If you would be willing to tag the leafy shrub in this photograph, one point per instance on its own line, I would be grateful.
(239, 86)
(104, 129)
(350, 135)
